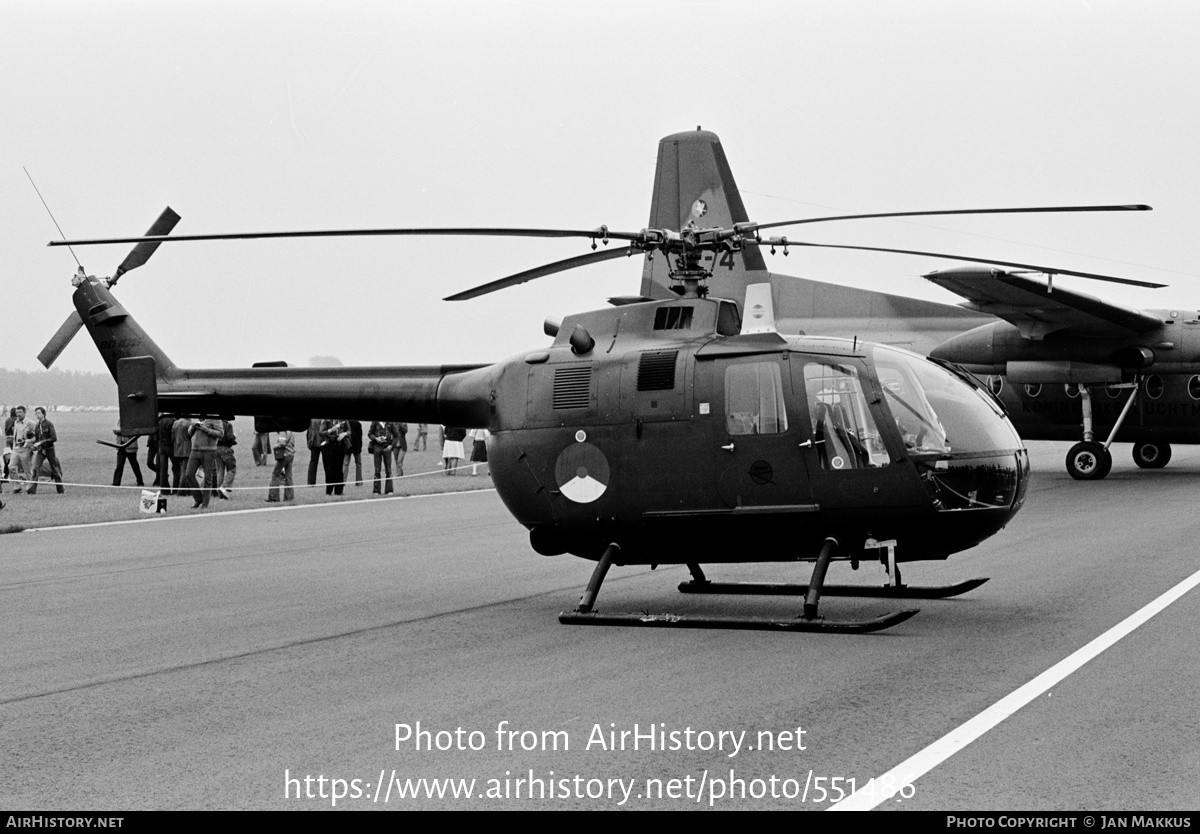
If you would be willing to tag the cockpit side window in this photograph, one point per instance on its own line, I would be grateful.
(754, 399)
(844, 432)
(916, 419)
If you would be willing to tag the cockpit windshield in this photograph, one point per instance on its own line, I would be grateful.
(966, 451)
(938, 413)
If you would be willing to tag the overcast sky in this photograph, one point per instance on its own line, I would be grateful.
(258, 116)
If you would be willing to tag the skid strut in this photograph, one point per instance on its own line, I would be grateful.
(584, 613)
(589, 596)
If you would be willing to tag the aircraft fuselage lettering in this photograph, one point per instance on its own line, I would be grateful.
(118, 344)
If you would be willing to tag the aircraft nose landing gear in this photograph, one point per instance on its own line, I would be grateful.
(1088, 461)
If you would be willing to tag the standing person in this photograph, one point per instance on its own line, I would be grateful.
(333, 453)
(478, 448)
(452, 448)
(21, 461)
(400, 449)
(181, 451)
(9, 420)
(204, 454)
(127, 452)
(226, 462)
(152, 452)
(285, 453)
(419, 445)
(316, 441)
(261, 447)
(354, 450)
(381, 439)
(43, 443)
(166, 448)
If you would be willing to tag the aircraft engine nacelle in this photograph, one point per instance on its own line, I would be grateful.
(1134, 357)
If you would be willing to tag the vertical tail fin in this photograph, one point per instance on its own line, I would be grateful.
(116, 334)
(693, 182)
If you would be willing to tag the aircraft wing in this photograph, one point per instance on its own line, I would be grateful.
(1036, 310)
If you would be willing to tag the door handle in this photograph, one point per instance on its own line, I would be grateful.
(728, 448)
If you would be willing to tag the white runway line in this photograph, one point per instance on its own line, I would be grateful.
(219, 513)
(916, 766)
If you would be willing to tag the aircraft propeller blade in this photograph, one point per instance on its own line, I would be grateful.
(59, 341)
(1044, 209)
(538, 272)
(782, 242)
(142, 252)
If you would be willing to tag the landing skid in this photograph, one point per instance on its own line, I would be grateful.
(807, 621)
(742, 623)
(793, 590)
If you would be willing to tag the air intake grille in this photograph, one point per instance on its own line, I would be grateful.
(573, 387)
(656, 370)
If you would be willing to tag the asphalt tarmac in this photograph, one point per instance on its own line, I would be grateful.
(283, 658)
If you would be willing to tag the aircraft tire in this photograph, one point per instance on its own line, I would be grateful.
(1151, 455)
(1088, 461)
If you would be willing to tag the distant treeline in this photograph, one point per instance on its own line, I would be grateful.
(54, 387)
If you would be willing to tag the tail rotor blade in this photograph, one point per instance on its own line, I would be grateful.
(142, 252)
(60, 340)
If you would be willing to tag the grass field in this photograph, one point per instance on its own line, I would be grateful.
(86, 462)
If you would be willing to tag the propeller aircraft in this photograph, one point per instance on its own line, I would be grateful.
(1055, 350)
(682, 430)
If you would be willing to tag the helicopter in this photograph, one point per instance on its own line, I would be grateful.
(678, 431)
(1057, 357)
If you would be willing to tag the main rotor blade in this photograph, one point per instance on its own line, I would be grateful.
(538, 272)
(465, 232)
(1044, 209)
(1049, 270)
(59, 341)
(142, 252)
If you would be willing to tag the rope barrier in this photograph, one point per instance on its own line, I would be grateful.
(44, 482)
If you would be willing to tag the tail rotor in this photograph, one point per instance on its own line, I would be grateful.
(136, 257)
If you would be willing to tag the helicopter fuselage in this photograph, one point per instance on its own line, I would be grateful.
(686, 445)
(664, 428)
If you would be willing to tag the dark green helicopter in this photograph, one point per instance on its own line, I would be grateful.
(681, 431)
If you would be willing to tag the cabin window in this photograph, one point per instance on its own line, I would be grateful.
(672, 318)
(1154, 386)
(754, 399)
(844, 432)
